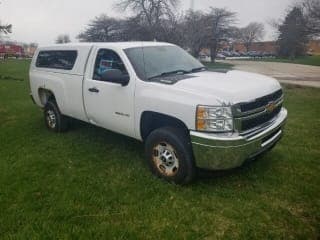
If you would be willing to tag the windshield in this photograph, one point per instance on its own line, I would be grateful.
(150, 62)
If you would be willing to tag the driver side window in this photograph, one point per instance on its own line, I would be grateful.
(107, 60)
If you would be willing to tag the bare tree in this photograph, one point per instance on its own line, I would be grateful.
(311, 10)
(172, 31)
(251, 33)
(134, 30)
(63, 38)
(220, 27)
(6, 28)
(150, 13)
(33, 45)
(196, 34)
(103, 29)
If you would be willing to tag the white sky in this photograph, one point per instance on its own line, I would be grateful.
(42, 21)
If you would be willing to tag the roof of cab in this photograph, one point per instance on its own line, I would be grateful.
(123, 45)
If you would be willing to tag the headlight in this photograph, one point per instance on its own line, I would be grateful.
(214, 119)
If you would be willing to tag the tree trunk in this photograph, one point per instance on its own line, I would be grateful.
(247, 45)
(195, 52)
(213, 51)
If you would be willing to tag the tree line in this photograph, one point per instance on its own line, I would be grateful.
(160, 20)
(302, 23)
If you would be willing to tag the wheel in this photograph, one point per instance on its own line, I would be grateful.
(169, 155)
(54, 120)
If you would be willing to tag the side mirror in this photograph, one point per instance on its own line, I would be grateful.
(115, 76)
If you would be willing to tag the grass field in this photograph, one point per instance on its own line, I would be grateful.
(310, 60)
(93, 184)
(218, 66)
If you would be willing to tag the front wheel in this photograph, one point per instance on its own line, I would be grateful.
(54, 120)
(169, 155)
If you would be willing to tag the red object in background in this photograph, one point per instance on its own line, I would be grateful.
(11, 49)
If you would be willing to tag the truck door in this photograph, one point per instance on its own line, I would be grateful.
(109, 105)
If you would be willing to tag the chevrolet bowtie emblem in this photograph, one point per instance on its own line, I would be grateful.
(270, 107)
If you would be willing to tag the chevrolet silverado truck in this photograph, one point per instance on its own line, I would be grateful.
(187, 116)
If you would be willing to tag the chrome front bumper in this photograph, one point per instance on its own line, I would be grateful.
(217, 152)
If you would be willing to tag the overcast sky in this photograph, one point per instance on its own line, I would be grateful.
(42, 20)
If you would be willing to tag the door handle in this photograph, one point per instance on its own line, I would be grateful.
(94, 90)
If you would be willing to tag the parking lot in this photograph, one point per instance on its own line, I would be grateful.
(297, 74)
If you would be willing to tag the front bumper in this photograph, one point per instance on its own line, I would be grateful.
(217, 152)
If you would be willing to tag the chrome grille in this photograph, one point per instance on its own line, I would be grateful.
(259, 120)
(256, 114)
(261, 102)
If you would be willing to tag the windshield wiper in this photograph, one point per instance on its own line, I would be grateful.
(200, 69)
(169, 73)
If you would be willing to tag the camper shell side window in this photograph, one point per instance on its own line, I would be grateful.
(57, 59)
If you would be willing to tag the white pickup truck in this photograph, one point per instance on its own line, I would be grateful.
(187, 116)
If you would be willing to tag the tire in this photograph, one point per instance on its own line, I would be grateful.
(54, 120)
(169, 155)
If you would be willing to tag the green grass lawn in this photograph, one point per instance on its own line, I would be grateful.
(218, 66)
(90, 183)
(310, 60)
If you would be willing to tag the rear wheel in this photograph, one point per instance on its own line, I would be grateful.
(54, 120)
(169, 155)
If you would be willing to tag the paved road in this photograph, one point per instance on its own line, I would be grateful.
(285, 72)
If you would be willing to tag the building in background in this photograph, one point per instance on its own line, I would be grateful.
(17, 50)
(270, 47)
(11, 50)
(313, 48)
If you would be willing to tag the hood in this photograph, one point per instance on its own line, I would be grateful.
(231, 87)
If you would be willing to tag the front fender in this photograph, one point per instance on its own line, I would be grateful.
(162, 99)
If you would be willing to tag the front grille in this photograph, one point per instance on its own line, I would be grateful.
(251, 115)
(261, 102)
(259, 120)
